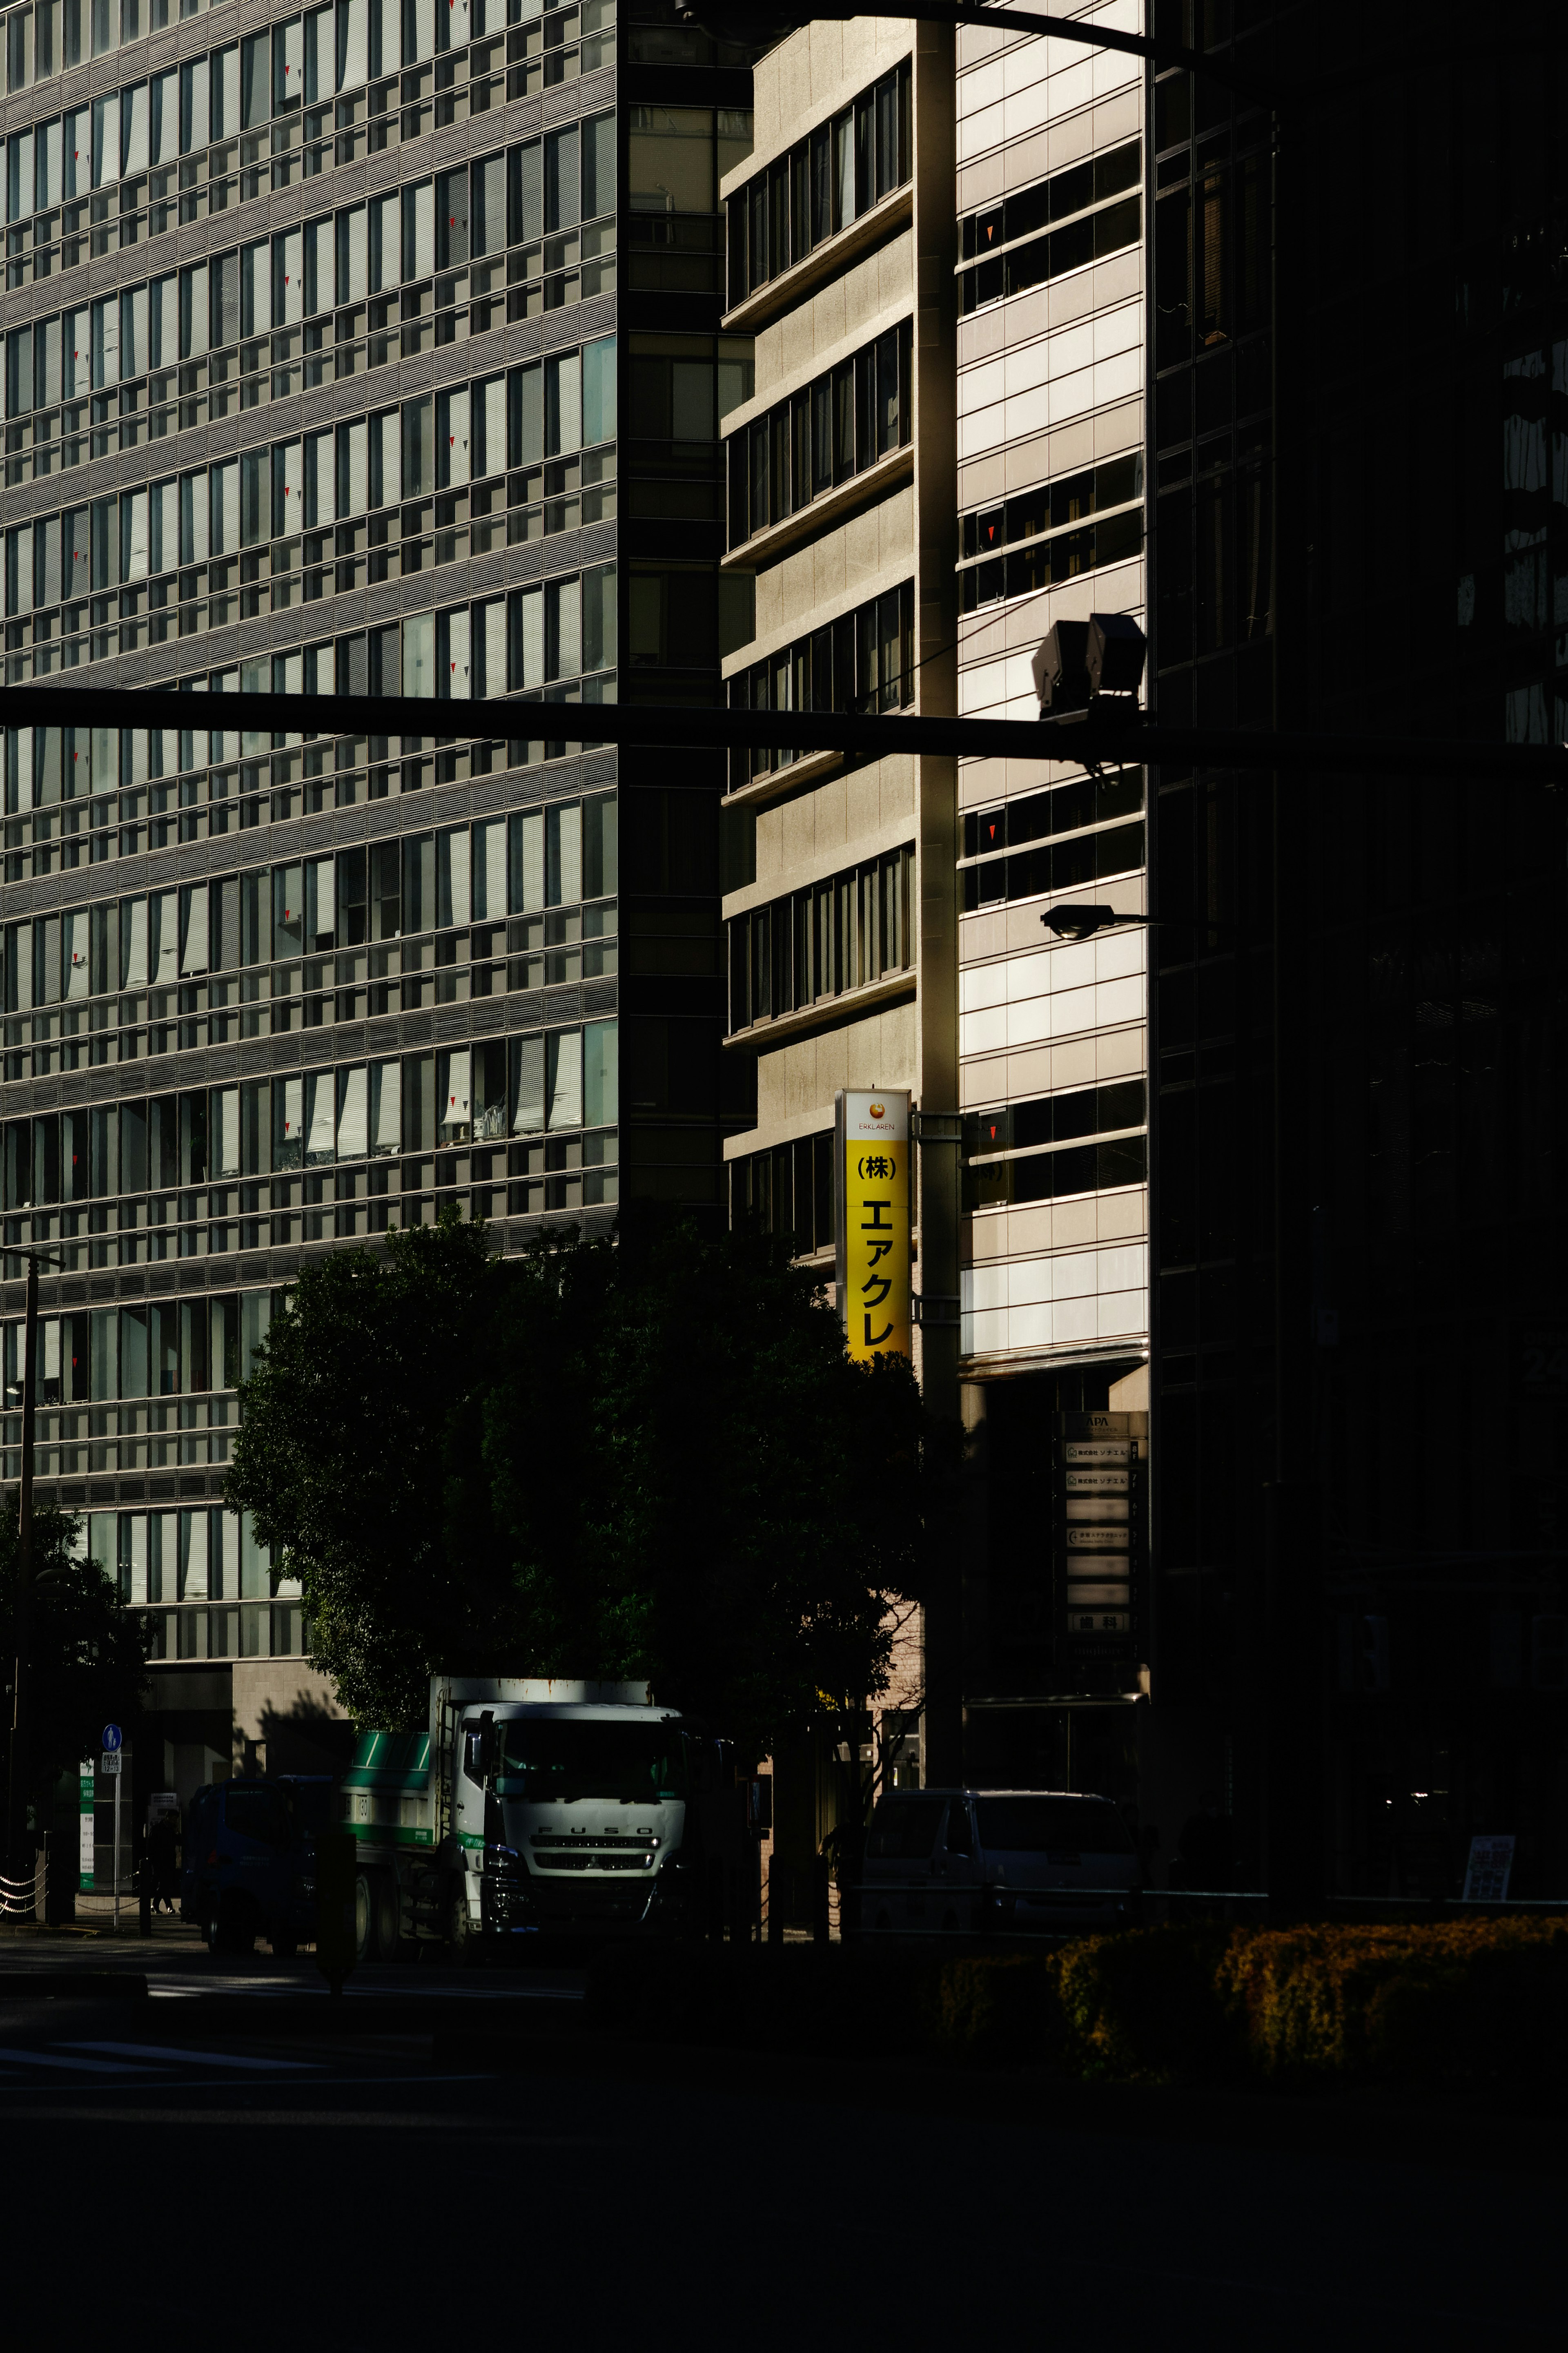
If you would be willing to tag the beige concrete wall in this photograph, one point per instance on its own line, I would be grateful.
(868, 552)
(877, 1049)
(811, 75)
(840, 821)
(287, 1714)
(829, 325)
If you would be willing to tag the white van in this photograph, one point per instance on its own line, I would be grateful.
(998, 1862)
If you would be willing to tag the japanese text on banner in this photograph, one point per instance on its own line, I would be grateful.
(876, 1176)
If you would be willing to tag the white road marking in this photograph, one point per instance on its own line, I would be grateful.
(83, 2066)
(195, 2058)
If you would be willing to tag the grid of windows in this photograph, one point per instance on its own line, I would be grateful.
(845, 421)
(826, 182)
(390, 493)
(313, 56)
(167, 1134)
(1035, 1152)
(841, 933)
(1053, 866)
(330, 299)
(440, 917)
(1097, 220)
(316, 1154)
(788, 1190)
(136, 1389)
(1047, 535)
(268, 111)
(863, 661)
(1088, 800)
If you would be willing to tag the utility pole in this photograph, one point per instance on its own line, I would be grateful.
(20, 1760)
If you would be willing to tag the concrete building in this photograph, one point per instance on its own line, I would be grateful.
(359, 346)
(839, 896)
(1053, 1038)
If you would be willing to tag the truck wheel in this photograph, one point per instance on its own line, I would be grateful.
(388, 1911)
(231, 1927)
(461, 1942)
(364, 1917)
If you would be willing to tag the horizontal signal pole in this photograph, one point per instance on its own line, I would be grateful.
(725, 18)
(1104, 738)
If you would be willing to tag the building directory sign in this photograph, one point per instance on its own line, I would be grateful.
(87, 1792)
(1101, 1471)
(873, 1205)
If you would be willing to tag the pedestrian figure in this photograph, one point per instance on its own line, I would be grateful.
(162, 1860)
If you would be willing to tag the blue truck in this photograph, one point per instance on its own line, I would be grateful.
(249, 1862)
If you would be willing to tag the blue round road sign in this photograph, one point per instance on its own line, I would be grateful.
(111, 1736)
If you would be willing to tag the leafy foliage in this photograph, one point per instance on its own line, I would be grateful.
(340, 1455)
(649, 1458)
(88, 1652)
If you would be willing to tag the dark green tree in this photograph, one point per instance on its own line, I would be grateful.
(341, 1457)
(87, 1653)
(648, 1458)
(689, 1478)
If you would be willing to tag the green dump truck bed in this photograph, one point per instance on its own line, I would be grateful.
(387, 1796)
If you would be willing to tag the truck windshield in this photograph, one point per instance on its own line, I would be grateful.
(560, 1759)
(1037, 1825)
(255, 1811)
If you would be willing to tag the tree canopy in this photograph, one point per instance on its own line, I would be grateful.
(87, 1653)
(642, 1458)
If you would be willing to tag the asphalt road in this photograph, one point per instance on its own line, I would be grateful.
(219, 2163)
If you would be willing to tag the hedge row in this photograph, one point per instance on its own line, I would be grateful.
(1481, 2001)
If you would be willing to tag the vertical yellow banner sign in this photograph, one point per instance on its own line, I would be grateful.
(874, 1221)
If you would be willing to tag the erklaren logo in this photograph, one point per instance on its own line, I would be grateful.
(879, 1110)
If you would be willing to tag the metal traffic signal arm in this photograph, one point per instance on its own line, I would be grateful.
(760, 28)
(1111, 732)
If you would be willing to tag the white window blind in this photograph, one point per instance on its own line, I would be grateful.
(386, 1106)
(163, 941)
(353, 1130)
(194, 1528)
(74, 952)
(528, 1110)
(489, 870)
(564, 1063)
(320, 1107)
(133, 943)
(225, 1140)
(452, 896)
(289, 1100)
(455, 1112)
(194, 928)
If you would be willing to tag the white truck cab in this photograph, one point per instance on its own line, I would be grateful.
(535, 1809)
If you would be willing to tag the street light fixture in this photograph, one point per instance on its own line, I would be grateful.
(20, 1762)
(1077, 921)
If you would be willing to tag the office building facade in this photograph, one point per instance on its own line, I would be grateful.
(370, 348)
(840, 888)
(1053, 1037)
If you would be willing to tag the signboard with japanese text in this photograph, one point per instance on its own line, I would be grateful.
(873, 1204)
(87, 1792)
(1101, 1471)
